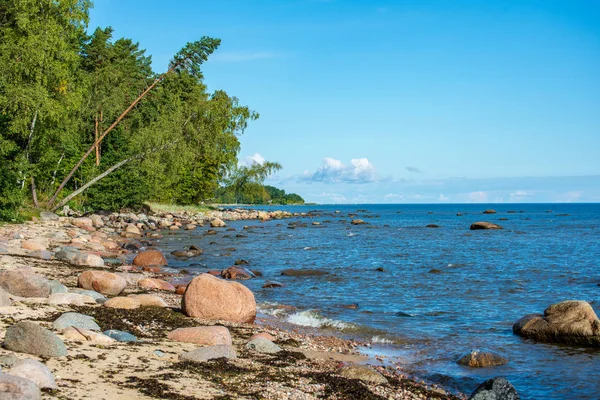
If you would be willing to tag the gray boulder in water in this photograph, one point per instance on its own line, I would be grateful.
(569, 322)
(495, 389)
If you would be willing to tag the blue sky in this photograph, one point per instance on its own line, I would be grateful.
(400, 101)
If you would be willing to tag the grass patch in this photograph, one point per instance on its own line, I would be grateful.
(174, 208)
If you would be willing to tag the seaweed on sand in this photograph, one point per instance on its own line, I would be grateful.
(149, 322)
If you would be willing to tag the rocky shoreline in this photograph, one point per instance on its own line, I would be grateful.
(81, 320)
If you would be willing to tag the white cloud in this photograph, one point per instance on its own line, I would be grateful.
(443, 199)
(256, 158)
(360, 170)
(477, 197)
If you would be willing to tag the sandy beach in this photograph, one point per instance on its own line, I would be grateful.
(308, 366)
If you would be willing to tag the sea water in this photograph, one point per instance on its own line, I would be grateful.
(423, 296)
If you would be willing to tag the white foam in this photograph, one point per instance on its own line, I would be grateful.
(313, 319)
(380, 339)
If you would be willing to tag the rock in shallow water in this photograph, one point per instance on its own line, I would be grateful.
(569, 322)
(484, 225)
(150, 257)
(495, 389)
(28, 337)
(481, 358)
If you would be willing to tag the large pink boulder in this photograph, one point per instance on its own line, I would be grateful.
(206, 335)
(149, 257)
(212, 298)
(102, 282)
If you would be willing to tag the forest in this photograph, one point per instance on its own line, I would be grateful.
(86, 122)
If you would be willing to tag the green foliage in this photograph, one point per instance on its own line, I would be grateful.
(278, 196)
(61, 88)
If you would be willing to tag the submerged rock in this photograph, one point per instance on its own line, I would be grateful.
(484, 225)
(569, 322)
(303, 272)
(481, 358)
(495, 389)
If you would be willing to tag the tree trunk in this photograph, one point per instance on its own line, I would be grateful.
(97, 142)
(34, 192)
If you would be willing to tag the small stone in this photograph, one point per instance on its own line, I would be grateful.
(127, 303)
(16, 388)
(209, 353)
(32, 245)
(120, 336)
(92, 293)
(206, 335)
(103, 282)
(57, 287)
(86, 335)
(74, 299)
(76, 320)
(8, 360)
(28, 337)
(4, 298)
(88, 260)
(263, 345)
(153, 283)
(217, 223)
(149, 300)
(48, 216)
(363, 373)
(36, 372)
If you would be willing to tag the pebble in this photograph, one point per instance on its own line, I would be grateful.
(120, 336)
(209, 353)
